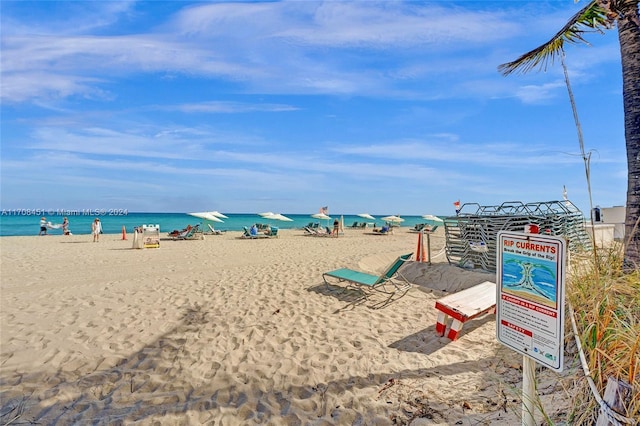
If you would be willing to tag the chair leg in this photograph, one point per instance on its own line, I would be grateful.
(456, 326)
(441, 325)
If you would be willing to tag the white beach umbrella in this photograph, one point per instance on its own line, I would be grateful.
(218, 214)
(278, 216)
(366, 216)
(206, 216)
(321, 216)
(432, 220)
(393, 219)
(265, 214)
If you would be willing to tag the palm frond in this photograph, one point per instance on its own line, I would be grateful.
(591, 17)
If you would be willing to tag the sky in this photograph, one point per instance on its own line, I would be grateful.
(390, 107)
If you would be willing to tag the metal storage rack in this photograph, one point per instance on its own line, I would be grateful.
(471, 236)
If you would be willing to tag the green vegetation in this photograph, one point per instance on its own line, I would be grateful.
(606, 306)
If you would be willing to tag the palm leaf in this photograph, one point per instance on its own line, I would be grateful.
(591, 17)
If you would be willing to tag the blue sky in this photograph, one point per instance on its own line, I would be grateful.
(385, 107)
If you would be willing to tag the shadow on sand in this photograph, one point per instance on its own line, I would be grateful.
(151, 384)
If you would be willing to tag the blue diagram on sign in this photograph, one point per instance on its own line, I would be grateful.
(523, 277)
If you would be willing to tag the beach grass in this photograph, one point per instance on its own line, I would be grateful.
(606, 307)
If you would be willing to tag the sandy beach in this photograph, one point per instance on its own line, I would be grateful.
(228, 331)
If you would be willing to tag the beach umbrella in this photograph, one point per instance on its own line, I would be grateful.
(265, 214)
(321, 216)
(206, 216)
(278, 216)
(432, 220)
(393, 219)
(218, 214)
(366, 216)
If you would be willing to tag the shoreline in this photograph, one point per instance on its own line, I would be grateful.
(228, 330)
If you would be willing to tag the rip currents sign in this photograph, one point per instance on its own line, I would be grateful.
(530, 299)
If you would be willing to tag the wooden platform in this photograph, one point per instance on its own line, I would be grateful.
(463, 306)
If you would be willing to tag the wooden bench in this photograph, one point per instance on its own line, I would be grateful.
(463, 306)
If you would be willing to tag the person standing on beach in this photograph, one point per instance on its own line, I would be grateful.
(43, 226)
(336, 227)
(65, 226)
(96, 228)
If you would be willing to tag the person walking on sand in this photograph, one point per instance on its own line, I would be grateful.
(65, 226)
(96, 228)
(43, 226)
(336, 227)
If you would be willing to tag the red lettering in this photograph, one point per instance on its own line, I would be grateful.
(545, 311)
(525, 245)
(517, 328)
(529, 305)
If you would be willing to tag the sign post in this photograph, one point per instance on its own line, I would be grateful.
(530, 296)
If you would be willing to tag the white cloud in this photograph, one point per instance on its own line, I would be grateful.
(316, 45)
(229, 107)
(538, 94)
(239, 94)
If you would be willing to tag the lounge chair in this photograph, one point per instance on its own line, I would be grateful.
(246, 234)
(273, 232)
(387, 282)
(385, 230)
(213, 231)
(191, 234)
(175, 232)
(320, 232)
(424, 227)
(418, 227)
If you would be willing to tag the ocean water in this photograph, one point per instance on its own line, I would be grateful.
(23, 223)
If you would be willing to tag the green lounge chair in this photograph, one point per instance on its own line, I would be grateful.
(387, 282)
(424, 227)
(246, 234)
(190, 234)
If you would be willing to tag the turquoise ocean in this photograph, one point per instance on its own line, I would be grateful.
(17, 223)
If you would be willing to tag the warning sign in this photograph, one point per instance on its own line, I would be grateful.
(530, 295)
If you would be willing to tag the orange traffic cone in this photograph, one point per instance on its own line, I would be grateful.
(124, 233)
